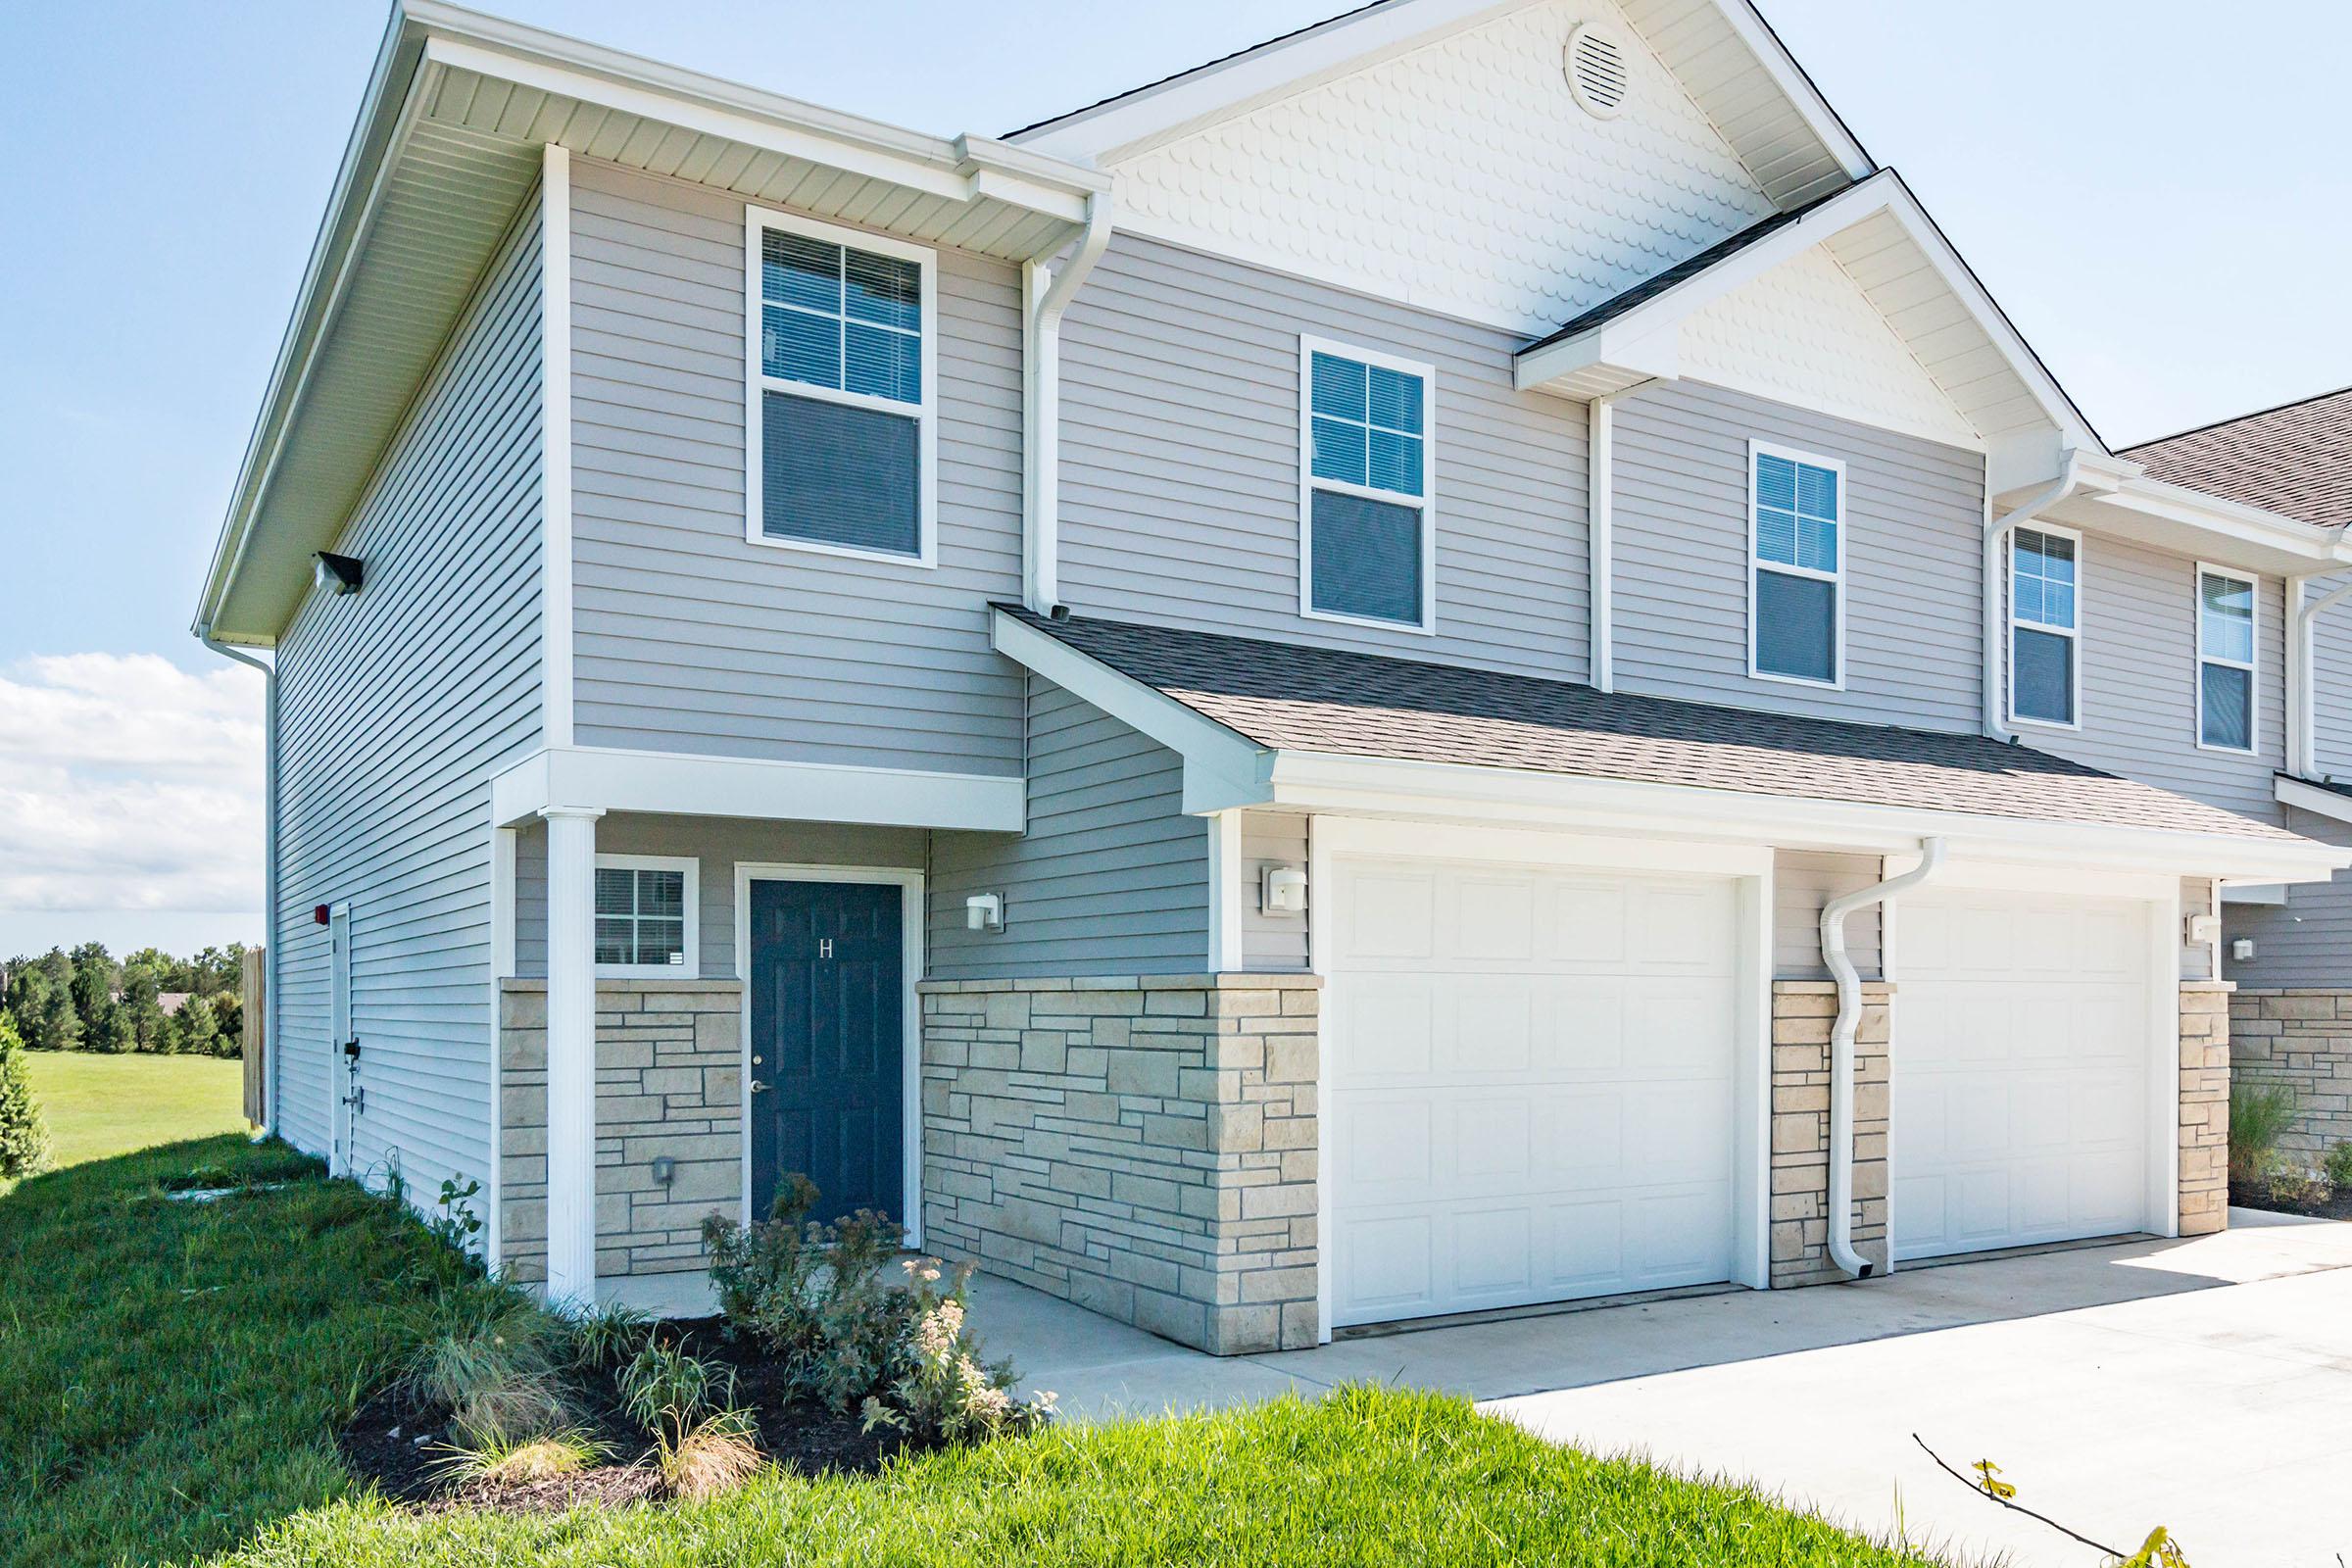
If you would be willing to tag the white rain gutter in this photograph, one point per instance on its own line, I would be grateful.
(2302, 712)
(1600, 533)
(1842, 1049)
(1045, 296)
(1996, 534)
(204, 635)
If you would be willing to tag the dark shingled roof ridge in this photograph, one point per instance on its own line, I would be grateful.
(2294, 458)
(1286, 695)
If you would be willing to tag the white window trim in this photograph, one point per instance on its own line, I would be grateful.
(692, 968)
(2074, 698)
(757, 381)
(2252, 666)
(1756, 563)
(1309, 484)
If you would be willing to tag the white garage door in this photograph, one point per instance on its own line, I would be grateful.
(1531, 1084)
(2021, 1088)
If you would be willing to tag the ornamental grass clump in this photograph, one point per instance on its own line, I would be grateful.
(493, 1362)
(2260, 1115)
(702, 1443)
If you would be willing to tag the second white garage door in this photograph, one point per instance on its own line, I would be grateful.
(2021, 1096)
(1531, 1091)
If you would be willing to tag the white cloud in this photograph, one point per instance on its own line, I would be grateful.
(127, 784)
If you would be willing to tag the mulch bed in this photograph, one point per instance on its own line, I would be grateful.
(2258, 1195)
(404, 1448)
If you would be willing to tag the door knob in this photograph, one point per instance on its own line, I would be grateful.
(758, 1088)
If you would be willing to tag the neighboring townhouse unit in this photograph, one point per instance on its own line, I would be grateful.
(1451, 664)
(2289, 948)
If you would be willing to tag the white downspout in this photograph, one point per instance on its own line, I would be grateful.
(2302, 753)
(1044, 295)
(1842, 1049)
(270, 947)
(1601, 534)
(1996, 535)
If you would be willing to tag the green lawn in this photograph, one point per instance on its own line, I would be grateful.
(171, 1372)
(100, 1105)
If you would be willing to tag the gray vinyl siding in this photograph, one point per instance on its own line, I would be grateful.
(1111, 876)
(1272, 943)
(1802, 881)
(717, 846)
(2331, 683)
(1179, 464)
(2139, 682)
(397, 706)
(689, 638)
(2306, 940)
(1913, 530)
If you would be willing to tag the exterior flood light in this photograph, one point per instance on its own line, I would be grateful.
(1282, 890)
(984, 912)
(2242, 950)
(337, 573)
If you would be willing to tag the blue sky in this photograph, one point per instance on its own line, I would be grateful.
(2155, 192)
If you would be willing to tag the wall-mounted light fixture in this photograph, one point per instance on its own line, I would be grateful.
(336, 574)
(984, 912)
(2202, 929)
(2242, 950)
(666, 1170)
(1282, 890)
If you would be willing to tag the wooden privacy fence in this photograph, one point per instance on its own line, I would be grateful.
(257, 1037)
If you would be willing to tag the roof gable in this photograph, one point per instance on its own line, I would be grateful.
(1432, 151)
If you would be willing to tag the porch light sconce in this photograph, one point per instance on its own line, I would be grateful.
(666, 1169)
(984, 912)
(2202, 929)
(336, 574)
(2242, 950)
(1282, 890)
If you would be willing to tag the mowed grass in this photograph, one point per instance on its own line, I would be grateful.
(171, 1374)
(99, 1105)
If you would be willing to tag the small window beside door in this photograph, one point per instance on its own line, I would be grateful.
(645, 915)
(2226, 662)
(1797, 577)
(2045, 626)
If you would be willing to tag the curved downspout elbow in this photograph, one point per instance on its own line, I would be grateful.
(1997, 533)
(1044, 295)
(270, 945)
(1841, 1048)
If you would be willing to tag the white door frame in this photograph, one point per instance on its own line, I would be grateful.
(2161, 897)
(1750, 866)
(339, 1030)
(910, 883)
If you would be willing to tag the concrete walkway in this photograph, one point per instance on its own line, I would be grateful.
(2204, 1385)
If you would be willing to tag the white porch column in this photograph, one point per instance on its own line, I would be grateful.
(571, 1053)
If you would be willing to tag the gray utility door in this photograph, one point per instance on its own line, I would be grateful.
(828, 1047)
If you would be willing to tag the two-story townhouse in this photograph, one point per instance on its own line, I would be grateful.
(1451, 664)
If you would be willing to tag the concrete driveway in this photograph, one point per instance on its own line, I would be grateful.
(2204, 1385)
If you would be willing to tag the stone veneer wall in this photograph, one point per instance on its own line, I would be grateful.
(2205, 1067)
(668, 1081)
(1142, 1146)
(2302, 1041)
(1802, 1012)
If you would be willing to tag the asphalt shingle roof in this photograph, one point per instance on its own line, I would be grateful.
(2296, 459)
(1287, 697)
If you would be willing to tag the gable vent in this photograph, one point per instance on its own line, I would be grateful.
(1598, 72)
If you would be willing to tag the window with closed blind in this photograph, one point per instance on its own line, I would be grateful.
(645, 915)
(840, 414)
(1796, 576)
(2045, 631)
(1366, 434)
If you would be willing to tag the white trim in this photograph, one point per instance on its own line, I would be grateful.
(2252, 665)
(673, 782)
(912, 937)
(503, 842)
(554, 446)
(342, 1024)
(1426, 502)
(1228, 898)
(691, 870)
(1758, 564)
(757, 383)
(1600, 539)
(2073, 633)
(2313, 798)
(572, 1053)
(1464, 841)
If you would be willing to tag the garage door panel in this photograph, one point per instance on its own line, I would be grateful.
(2021, 1070)
(1533, 1067)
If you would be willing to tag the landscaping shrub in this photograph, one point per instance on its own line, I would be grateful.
(493, 1359)
(24, 1138)
(2337, 1167)
(950, 1394)
(501, 1462)
(2259, 1116)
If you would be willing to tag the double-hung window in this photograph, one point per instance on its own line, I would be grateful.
(2045, 626)
(1366, 432)
(2225, 660)
(645, 915)
(840, 413)
(1797, 577)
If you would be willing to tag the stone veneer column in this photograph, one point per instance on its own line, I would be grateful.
(2204, 1106)
(1142, 1146)
(2301, 1041)
(668, 1081)
(1802, 1012)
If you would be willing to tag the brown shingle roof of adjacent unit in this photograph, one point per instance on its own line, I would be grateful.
(2295, 459)
(1287, 697)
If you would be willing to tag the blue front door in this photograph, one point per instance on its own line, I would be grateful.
(830, 1044)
